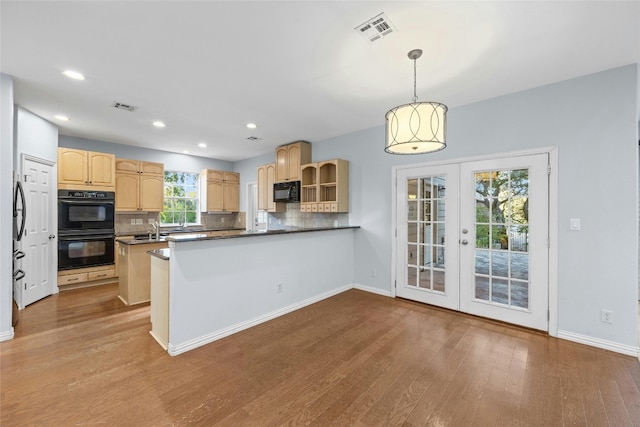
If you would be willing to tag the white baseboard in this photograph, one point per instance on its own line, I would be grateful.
(175, 350)
(372, 290)
(599, 343)
(6, 336)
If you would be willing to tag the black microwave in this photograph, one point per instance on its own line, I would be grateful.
(287, 192)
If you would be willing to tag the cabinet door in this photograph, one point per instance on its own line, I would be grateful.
(231, 197)
(151, 196)
(126, 165)
(215, 196)
(214, 175)
(262, 188)
(293, 162)
(72, 167)
(232, 177)
(102, 169)
(127, 189)
(271, 177)
(152, 168)
(282, 164)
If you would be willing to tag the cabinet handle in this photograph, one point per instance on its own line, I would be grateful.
(90, 182)
(101, 275)
(73, 280)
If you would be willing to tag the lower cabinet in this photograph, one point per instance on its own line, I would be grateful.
(82, 277)
(134, 264)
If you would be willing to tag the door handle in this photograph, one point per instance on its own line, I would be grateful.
(52, 236)
(464, 242)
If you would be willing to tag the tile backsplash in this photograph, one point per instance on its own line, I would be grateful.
(144, 220)
(293, 218)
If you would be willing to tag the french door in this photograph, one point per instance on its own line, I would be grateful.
(473, 237)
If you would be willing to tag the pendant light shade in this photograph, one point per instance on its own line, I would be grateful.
(416, 128)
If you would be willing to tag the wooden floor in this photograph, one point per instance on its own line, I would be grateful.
(82, 358)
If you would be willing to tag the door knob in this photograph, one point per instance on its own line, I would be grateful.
(464, 242)
(52, 236)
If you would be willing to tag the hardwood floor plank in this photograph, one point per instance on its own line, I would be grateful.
(83, 358)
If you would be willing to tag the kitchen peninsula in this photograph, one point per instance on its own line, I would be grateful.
(205, 288)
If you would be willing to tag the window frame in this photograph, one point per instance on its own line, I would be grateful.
(185, 187)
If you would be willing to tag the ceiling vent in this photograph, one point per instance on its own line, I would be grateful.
(376, 28)
(121, 106)
(253, 138)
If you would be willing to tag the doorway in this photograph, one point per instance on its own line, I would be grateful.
(473, 236)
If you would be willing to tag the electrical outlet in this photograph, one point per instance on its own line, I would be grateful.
(607, 316)
(279, 287)
(374, 273)
(150, 220)
(138, 221)
(222, 220)
(133, 221)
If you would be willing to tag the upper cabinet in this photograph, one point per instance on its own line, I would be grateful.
(289, 158)
(81, 170)
(139, 186)
(325, 187)
(266, 178)
(219, 191)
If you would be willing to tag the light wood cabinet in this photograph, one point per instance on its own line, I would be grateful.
(134, 264)
(84, 277)
(80, 169)
(139, 186)
(289, 158)
(219, 191)
(266, 179)
(325, 187)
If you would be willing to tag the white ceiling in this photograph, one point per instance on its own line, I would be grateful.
(296, 68)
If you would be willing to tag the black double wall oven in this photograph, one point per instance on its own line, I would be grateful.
(86, 228)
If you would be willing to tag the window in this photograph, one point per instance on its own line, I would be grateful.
(180, 198)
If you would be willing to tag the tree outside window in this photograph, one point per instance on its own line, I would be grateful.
(180, 198)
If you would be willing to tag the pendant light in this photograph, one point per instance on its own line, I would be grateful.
(416, 128)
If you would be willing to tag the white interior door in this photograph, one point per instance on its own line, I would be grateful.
(473, 237)
(427, 218)
(39, 242)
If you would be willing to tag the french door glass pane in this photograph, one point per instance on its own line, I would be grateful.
(425, 233)
(502, 232)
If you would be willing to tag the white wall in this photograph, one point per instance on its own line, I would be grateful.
(593, 120)
(34, 136)
(6, 205)
(172, 161)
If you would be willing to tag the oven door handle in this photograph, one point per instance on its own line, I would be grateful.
(86, 237)
(87, 202)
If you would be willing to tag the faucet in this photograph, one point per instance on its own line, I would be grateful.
(156, 227)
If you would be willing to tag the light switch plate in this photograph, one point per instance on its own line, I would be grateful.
(574, 224)
(138, 221)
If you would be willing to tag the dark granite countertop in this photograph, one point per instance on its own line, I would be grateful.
(193, 237)
(163, 254)
(164, 231)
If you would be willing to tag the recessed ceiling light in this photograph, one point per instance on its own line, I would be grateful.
(202, 145)
(159, 124)
(252, 125)
(61, 117)
(73, 74)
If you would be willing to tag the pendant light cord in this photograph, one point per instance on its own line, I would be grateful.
(415, 96)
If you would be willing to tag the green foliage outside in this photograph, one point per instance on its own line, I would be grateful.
(180, 198)
(502, 203)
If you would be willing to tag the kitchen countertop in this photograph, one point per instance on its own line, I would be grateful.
(193, 237)
(185, 230)
(163, 254)
(164, 235)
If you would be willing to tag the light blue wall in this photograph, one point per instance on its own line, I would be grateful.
(172, 161)
(593, 120)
